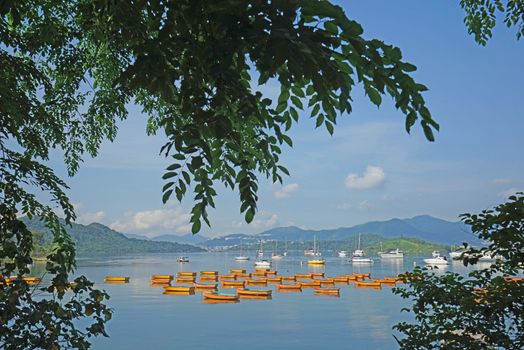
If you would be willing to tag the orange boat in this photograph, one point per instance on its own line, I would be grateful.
(179, 289)
(303, 275)
(205, 285)
(260, 281)
(271, 273)
(258, 297)
(209, 278)
(220, 296)
(242, 275)
(327, 282)
(215, 301)
(162, 277)
(228, 277)
(274, 279)
(186, 274)
(160, 281)
(32, 280)
(208, 273)
(311, 284)
(261, 269)
(317, 274)
(252, 292)
(116, 279)
(341, 279)
(351, 278)
(233, 283)
(291, 287)
(233, 271)
(385, 282)
(259, 274)
(185, 280)
(368, 284)
(288, 278)
(335, 291)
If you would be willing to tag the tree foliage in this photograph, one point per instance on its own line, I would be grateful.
(482, 310)
(69, 68)
(481, 17)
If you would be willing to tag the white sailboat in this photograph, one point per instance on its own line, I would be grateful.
(262, 263)
(260, 251)
(359, 256)
(275, 255)
(437, 260)
(241, 257)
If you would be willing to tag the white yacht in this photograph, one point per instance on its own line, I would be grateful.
(342, 254)
(437, 260)
(435, 253)
(392, 254)
(182, 259)
(263, 264)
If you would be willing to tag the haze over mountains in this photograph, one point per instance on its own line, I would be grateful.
(423, 227)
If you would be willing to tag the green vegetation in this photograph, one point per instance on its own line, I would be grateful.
(99, 240)
(482, 310)
(69, 68)
(370, 243)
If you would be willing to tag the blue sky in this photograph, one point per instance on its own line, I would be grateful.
(371, 169)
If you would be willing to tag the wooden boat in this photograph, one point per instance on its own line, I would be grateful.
(233, 283)
(257, 282)
(258, 297)
(205, 285)
(208, 273)
(294, 287)
(341, 279)
(220, 296)
(368, 284)
(317, 274)
(215, 301)
(121, 279)
(327, 281)
(362, 275)
(318, 261)
(32, 280)
(385, 282)
(271, 273)
(259, 274)
(262, 269)
(252, 292)
(392, 279)
(160, 282)
(179, 289)
(227, 277)
(186, 274)
(351, 278)
(311, 284)
(235, 271)
(327, 291)
(162, 277)
(209, 278)
(242, 275)
(303, 275)
(274, 279)
(185, 280)
(288, 278)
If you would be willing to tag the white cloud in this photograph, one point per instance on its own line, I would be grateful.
(286, 191)
(264, 220)
(364, 205)
(510, 192)
(87, 218)
(155, 221)
(373, 176)
(344, 206)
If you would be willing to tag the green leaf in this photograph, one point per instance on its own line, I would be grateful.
(166, 196)
(320, 120)
(250, 214)
(373, 95)
(296, 101)
(169, 175)
(330, 128)
(315, 110)
(174, 166)
(196, 226)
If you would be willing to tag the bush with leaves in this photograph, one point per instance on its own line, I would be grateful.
(482, 310)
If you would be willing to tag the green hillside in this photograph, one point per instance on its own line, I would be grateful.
(99, 240)
(371, 243)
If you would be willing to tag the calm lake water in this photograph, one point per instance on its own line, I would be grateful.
(144, 318)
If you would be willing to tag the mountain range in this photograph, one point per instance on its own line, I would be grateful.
(98, 240)
(423, 227)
